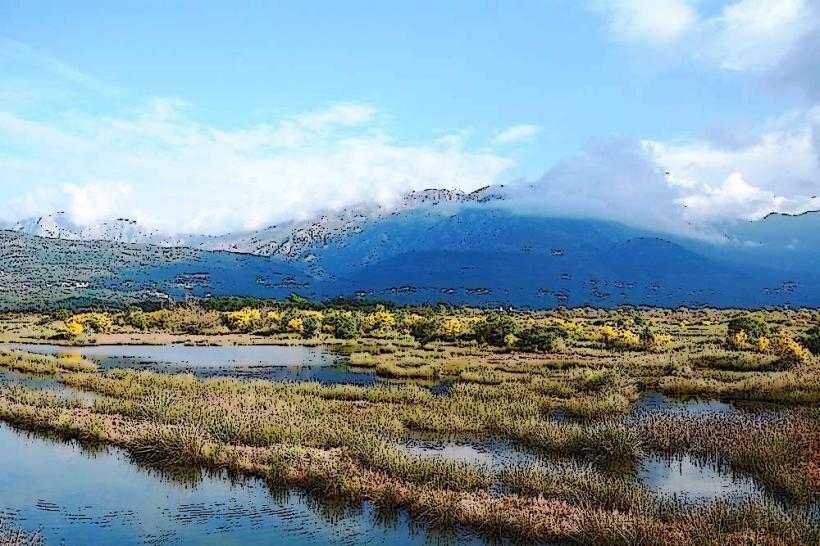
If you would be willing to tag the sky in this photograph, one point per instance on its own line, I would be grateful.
(211, 117)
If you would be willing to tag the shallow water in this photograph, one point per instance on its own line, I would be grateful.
(686, 477)
(82, 496)
(11, 377)
(492, 453)
(271, 362)
(655, 401)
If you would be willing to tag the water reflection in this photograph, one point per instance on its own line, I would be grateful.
(492, 453)
(84, 496)
(655, 401)
(684, 476)
(271, 362)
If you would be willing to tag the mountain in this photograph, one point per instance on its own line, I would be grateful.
(493, 256)
(465, 253)
(432, 246)
(39, 272)
(789, 242)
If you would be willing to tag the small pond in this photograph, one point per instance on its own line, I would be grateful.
(80, 496)
(688, 478)
(271, 362)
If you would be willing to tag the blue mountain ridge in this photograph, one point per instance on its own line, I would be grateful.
(461, 254)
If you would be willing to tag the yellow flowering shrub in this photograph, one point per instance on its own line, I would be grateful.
(763, 344)
(789, 350)
(274, 317)
(510, 340)
(380, 320)
(739, 340)
(657, 343)
(71, 329)
(608, 335)
(96, 322)
(243, 320)
(451, 328)
(627, 338)
(158, 319)
(296, 325)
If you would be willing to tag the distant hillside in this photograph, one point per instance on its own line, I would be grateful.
(37, 272)
(489, 256)
(454, 251)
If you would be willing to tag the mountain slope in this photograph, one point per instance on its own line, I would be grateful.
(40, 272)
(461, 248)
(494, 257)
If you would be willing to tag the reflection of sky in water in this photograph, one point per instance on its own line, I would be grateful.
(494, 454)
(10, 377)
(272, 362)
(655, 401)
(102, 498)
(684, 476)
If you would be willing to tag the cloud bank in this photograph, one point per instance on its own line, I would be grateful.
(685, 188)
(159, 166)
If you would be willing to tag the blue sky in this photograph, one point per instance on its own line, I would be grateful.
(283, 109)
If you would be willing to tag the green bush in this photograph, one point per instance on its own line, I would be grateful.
(753, 325)
(812, 340)
(539, 338)
(312, 325)
(425, 329)
(344, 325)
(495, 328)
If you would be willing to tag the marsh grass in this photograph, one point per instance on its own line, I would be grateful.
(344, 441)
(43, 364)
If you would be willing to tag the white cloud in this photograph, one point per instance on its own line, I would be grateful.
(685, 188)
(778, 172)
(517, 133)
(95, 202)
(611, 180)
(745, 35)
(652, 21)
(754, 35)
(178, 175)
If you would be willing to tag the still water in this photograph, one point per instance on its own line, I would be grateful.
(271, 362)
(84, 496)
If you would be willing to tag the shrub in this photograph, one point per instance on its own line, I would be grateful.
(425, 330)
(380, 320)
(136, 318)
(451, 329)
(343, 324)
(738, 340)
(754, 326)
(296, 325)
(540, 338)
(244, 320)
(789, 350)
(652, 342)
(494, 329)
(311, 325)
(94, 322)
(812, 339)
(71, 329)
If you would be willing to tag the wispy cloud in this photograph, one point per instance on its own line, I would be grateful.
(21, 52)
(157, 164)
(517, 133)
(652, 21)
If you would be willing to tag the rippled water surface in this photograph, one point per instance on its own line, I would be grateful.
(82, 496)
